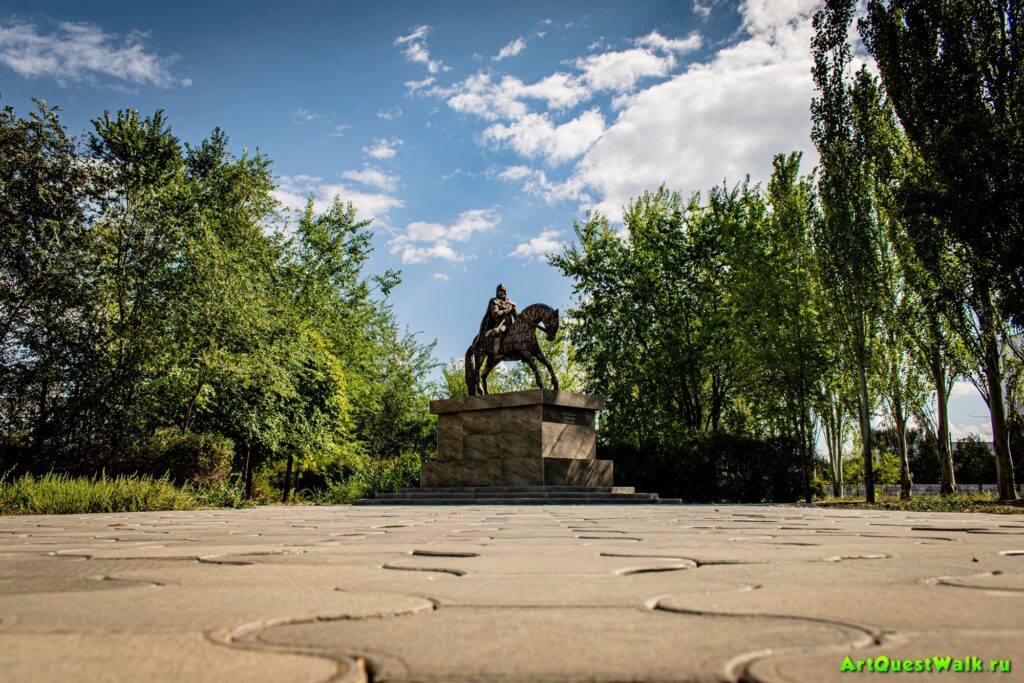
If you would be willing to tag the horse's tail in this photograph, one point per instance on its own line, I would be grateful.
(472, 371)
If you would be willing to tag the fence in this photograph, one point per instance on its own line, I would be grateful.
(925, 489)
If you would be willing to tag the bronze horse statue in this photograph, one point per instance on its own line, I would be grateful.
(519, 342)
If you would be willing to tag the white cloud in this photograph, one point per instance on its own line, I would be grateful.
(721, 119)
(513, 173)
(441, 276)
(414, 86)
(559, 90)
(536, 182)
(294, 191)
(963, 390)
(958, 432)
(479, 95)
(373, 177)
(79, 52)
(536, 135)
(622, 70)
(302, 116)
(389, 114)
(511, 50)
(422, 241)
(414, 47)
(703, 8)
(540, 246)
(656, 41)
(383, 149)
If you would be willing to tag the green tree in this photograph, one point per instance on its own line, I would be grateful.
(652, 324)
(849, 235)
(47, 290)
(953, 71)
(776, 303)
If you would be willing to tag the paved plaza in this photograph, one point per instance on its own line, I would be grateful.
(496, 593)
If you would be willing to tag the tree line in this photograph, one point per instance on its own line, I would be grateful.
(859, 291)
(159, 311)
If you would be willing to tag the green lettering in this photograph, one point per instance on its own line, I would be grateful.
(1004, 666)
(847, 665)
(976, 664)
(958, 666)
(941, 663)
(860, 664)
(897, 665)
(881, 663)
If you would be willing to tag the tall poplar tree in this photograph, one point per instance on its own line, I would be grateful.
(848, 235)
(954, 70)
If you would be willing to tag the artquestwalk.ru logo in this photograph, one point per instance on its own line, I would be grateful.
(883, 664)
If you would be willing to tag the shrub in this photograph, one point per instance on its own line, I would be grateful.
(372, 476)
(711, 468)
(200, 459)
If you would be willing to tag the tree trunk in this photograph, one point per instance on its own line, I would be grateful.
(863, 410)
(247, 473)
(997, 410)
(804, 455)
(901, 444)
(287, 480)
(947, 475)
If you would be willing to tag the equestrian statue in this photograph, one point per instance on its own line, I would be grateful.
(508, 334)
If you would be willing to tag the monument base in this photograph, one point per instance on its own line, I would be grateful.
(517, 472)
(522, 438)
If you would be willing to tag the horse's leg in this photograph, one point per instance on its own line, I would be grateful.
(547, 364)
(532, 362)
(471, 367)
(491, 364)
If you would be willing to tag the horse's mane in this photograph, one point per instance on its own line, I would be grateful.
(531, 314)
(535, 311)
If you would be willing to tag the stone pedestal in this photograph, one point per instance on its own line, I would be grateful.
(522, 438)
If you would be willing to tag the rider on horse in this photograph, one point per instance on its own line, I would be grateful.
(499, 317)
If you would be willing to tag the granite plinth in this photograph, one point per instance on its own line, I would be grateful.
(522, 438)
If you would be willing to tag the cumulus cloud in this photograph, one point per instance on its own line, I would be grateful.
(80, 52)
(540, 246)
(414, 47)
(373, 177)
(423, 241)
(536, 135)
(441, 276)
(963, 390)
(536, 182)
(723, 118)
(511, 50)
(958, 432)
(294, 191)
(383, 149)
(656, 41)
(623, 69)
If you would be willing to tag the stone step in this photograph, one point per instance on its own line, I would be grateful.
(520, 489)
(595, 495)
(515, 501)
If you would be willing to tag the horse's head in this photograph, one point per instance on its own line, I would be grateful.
(551, 326)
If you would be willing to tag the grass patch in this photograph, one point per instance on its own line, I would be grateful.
(61, 494)
(373, 476)
(961, 502)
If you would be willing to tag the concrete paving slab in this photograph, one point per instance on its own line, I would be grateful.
(475, 593)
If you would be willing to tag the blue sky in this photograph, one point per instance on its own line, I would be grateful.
(472, 133)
